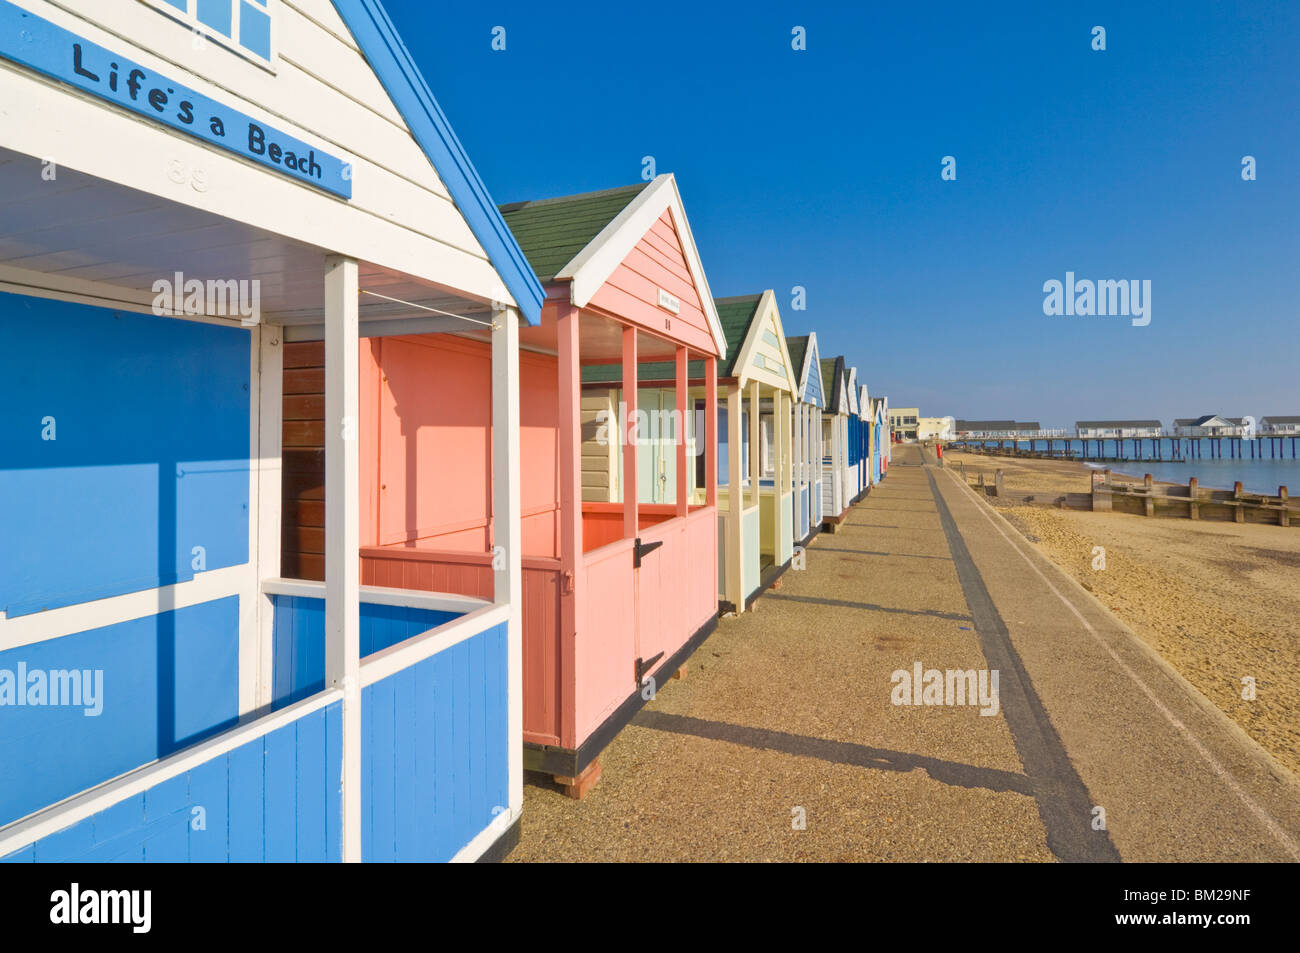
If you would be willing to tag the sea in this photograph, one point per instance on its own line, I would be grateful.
(1259, 475)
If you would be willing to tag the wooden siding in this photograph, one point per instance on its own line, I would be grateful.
(632, 291)
(270, 800)
(600, 460)
(302, 510)
(435, 752)
(323, 92)
(470, 574)
(425, 400)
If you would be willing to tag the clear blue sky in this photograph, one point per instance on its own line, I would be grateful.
(821, 168)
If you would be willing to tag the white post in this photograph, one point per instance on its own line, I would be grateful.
(507, 528)
(342, 528)
(734, 537)
(798, 461)
(268, 469)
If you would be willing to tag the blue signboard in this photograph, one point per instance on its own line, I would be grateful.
(40, 45)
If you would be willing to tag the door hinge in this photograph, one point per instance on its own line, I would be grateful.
(642, 549)
(643, 666)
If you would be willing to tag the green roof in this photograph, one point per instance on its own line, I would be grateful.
(798, 348)
(833, 379)
(551, 232)
(736, 314)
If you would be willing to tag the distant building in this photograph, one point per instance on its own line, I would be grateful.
(936, 428)
(1211, 425)
(1279, 426)
(1111, 429)
(903, 422)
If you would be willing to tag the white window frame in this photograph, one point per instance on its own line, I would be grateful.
(189, 19)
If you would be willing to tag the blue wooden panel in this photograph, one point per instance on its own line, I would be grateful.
(246, 835)
(333, 793)
(281, 796)
(210, 825)
(298, 645)
(436, 750)
(310, 788)
(274, 798)
(161, 683)
(149, 459)
(379, 780)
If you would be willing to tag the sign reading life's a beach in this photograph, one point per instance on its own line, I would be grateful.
(40, 45)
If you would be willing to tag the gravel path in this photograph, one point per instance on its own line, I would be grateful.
(783, 742)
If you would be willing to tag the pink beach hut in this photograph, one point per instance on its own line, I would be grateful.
(619, 518)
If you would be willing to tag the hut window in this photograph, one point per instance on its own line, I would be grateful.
(242, 25)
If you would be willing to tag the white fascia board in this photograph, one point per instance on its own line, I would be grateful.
(766, 307)
(811, 359)
(588, 271)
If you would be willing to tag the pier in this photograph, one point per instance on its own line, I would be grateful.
(1162, 449)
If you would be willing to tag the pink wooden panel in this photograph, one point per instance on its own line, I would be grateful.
(632, 291)
(426, 445)
(605, 652)
(434, 422)
(539, 453)
(470, 574)
(602, 524)
(542, 660)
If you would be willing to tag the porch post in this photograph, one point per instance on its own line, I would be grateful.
(342, 528)
(755, 440)
(507, 531)
(796, 462)
(683, 383)
(266, 542)
(629, 434)
(569, 423)
(710, 425)
(781, 434)
(734, 559)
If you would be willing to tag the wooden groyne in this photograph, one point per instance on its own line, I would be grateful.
(1149, 498)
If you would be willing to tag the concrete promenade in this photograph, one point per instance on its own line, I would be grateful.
(783, 742)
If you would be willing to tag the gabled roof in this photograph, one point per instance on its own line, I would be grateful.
(552, 232)
(393, 65)
(805, 361)
(832, 373)
(620, 218)
(798, 350)
(736, 315)
(1282, 420)
(851, 383)
(1201, 421)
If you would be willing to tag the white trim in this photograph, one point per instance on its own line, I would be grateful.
(342, 527)
(266, 494)
(591, 267)
(811, 359)
(379, 595)
(765, 308)
(507, 532)
(488, 836)
(207, 586)
(412, 651)
(57, 817)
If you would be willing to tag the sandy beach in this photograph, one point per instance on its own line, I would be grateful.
(1218, 600)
